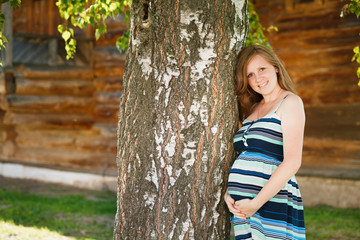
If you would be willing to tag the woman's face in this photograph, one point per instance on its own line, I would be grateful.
(262, 76)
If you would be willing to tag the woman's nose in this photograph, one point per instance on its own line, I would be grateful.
(257, 77)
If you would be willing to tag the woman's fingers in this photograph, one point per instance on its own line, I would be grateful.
(230, 203)
(234, 207)
(246, 207)
(228, 198)
(241, 216)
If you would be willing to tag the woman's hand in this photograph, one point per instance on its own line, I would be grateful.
(247, 207)
(231, 205)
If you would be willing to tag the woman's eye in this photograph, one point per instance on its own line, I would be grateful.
(250, 75)
(262, 69)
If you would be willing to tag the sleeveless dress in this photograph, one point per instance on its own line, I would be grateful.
(260, 146)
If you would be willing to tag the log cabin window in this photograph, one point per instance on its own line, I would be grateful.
(36, 40)
(303, 5)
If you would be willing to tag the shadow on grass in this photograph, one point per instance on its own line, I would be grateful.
(70, 215)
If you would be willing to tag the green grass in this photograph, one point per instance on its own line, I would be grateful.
(71, 215)
(68, 217)
(325, 222)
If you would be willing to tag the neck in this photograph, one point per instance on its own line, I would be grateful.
(273, 96)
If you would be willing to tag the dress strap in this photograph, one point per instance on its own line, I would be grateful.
(280, 103)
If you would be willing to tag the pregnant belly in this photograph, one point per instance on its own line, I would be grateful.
(246, 179)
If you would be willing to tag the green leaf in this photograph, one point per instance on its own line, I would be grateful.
(102, 29)
(66, 15)
(2, 17)
(80, 8)
(97, 17)
(356, 49)
(60, 28)
(15, 3)
(74, 21)
(123, 41)
(357, 12)
(104, 12)
(72, 42)
(113, 7)
(97, 34)
(66, 35)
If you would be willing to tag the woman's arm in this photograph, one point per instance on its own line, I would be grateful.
(292, 117)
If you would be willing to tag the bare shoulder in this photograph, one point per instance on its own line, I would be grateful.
(293, 100)
(292, 107)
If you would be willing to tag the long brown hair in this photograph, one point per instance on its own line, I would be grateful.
(247, 97)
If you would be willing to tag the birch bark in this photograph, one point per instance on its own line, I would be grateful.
(178, 115)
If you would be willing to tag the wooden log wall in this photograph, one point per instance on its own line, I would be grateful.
(37, 17)
(64, 116)
(316, 47)
(50, 119)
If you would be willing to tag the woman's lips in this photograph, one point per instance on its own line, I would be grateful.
(263, 84)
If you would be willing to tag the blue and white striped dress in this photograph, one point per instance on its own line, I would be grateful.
(260, 146)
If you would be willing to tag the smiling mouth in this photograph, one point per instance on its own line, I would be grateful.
(263, 84)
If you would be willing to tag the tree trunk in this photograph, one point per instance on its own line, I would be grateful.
(178, 115)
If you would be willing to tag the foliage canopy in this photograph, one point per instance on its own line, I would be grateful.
(256, 33)
(95, 12)
(353, 7)
(85, 12)
(82, 13)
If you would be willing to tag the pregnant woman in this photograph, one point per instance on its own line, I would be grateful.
(263, 195)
